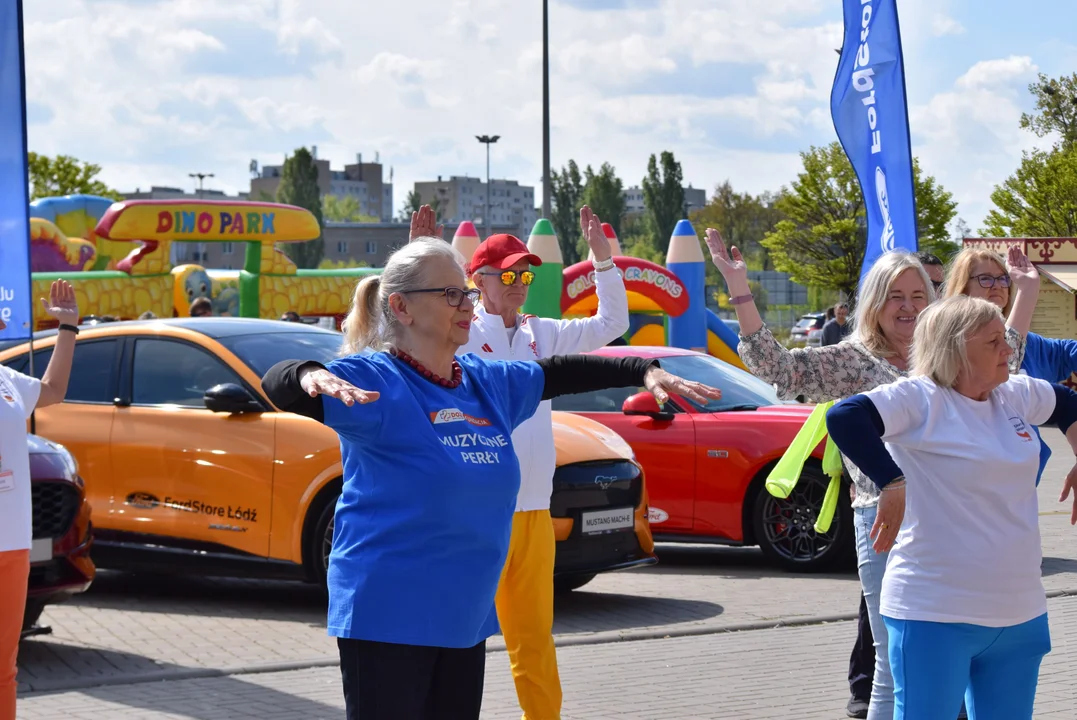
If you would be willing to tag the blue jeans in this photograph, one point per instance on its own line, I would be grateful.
(871, 566)
(995, 669)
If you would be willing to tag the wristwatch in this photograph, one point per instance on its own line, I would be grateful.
(601, 265)
(72, 328)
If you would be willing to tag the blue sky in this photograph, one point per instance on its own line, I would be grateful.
(152, 91)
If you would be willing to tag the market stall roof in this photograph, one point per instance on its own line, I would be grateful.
(1065, 276)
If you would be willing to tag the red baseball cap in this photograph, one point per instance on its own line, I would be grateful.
(501, 252)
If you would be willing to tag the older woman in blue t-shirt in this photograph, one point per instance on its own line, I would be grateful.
(430, 479)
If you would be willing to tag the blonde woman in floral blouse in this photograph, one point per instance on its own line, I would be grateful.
(891, 297)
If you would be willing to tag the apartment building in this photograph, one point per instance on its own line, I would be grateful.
(464, 198)
(363, 181)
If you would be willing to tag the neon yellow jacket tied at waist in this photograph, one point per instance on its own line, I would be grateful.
(783, 478)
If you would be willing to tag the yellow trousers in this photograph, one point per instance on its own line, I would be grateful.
(525, 612)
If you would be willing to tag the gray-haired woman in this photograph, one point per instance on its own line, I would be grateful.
(891, 297)
(430, 480)
(963, 598)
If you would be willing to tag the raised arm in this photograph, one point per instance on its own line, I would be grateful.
(610, 321)
(570, 374)
(63, 307)
(1026, 282)
(735, 272)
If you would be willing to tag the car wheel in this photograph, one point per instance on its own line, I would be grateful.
(32, 614)
(321, 542)
(568, 583)
(785, 528)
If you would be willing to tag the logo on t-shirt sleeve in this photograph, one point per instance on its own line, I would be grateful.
(486, 348)
(1021, 429)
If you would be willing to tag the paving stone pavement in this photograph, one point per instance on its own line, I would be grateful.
(130, 627)
(773, 674)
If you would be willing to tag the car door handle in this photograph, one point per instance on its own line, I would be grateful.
(717, 454)
(120, 402)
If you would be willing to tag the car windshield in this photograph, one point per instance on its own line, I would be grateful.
(740, 390)
(261, 352)
(806, 322)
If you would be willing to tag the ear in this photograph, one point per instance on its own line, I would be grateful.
(479, 281)
(398, 305)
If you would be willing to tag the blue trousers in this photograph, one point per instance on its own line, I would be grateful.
(995, 669)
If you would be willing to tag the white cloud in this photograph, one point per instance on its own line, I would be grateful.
(969, 137)
(943, 25)
(733, 87)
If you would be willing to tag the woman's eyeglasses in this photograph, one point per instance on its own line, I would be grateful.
(508, 277)
(453, 295)
(989, 281)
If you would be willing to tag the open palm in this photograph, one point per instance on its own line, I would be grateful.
(61, 304)
(729, 263)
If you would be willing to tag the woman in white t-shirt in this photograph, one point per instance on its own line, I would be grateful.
(962, 598)
(20, 395)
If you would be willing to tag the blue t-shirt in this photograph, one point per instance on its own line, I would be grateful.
(430, 482)
(1051, 360)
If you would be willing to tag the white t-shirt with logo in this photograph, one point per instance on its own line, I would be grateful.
(969, 546)
(18, 398)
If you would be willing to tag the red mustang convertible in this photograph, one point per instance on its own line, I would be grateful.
(706, 464)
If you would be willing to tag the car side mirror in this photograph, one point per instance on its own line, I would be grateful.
(230, 398)
(644, 404)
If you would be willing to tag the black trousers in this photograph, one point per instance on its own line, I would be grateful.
(862, 659)
(384, 681)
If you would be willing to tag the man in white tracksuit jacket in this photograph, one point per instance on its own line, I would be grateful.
(500, 332)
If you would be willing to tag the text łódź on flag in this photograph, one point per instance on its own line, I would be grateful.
(15, 300)
(872, 122)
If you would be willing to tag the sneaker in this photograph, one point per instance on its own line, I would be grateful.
(857, 708)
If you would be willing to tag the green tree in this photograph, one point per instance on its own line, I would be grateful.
(604, 193)
(639, 240)
(1039, 200)
(412, 203)
(744, 220)
(822, 241)
(344, 209)
(65, 175)
(1056, 106)
(566, 197)
(663, 195)
(299, 187)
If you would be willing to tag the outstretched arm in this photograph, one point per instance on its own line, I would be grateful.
(570, 374)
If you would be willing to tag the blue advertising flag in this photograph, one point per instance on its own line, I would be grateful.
(872, 121)
(15, 300)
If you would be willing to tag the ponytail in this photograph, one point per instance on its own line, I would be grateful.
(361, 325)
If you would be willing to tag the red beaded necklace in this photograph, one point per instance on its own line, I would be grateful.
(457, 372)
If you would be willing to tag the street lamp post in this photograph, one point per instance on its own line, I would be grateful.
(487, 140)
(547, 187)
(201, 246)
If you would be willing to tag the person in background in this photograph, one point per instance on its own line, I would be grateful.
(979, 272)
(950, 450)
(431, 479)
(291, 316)
(201, 307)
(834, 331)
(20, 395)
(934, 268)
(828, 315)
(501, 270)
(148, 315)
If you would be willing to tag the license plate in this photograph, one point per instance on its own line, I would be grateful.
(602, 521)
(41, 550)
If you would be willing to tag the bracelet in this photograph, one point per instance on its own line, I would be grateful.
(895, 484)
(72, 328)
(601, 265)
(741, 299)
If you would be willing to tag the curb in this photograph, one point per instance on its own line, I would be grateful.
(600, 638)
